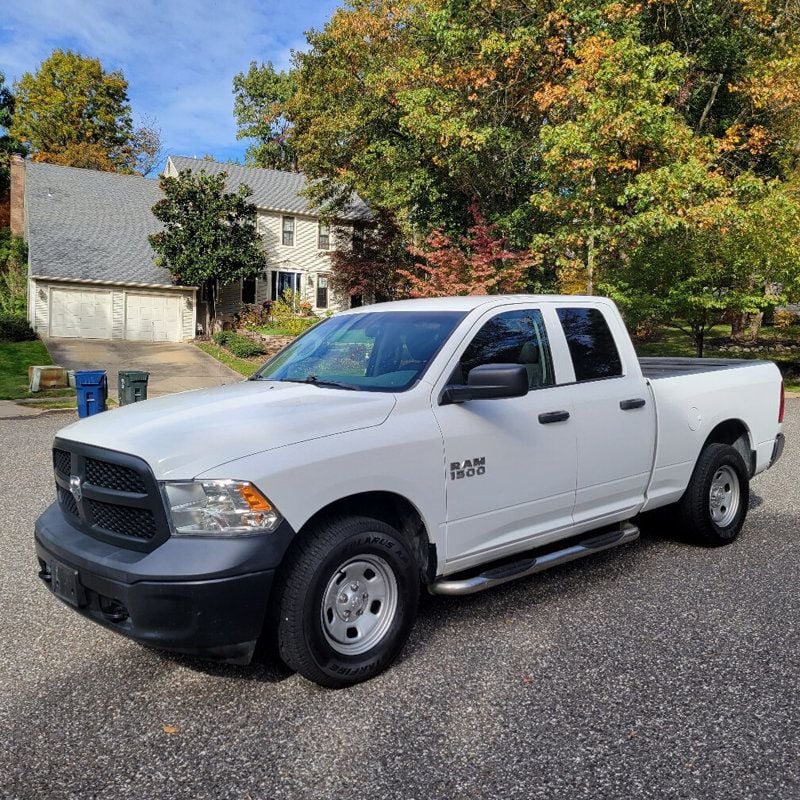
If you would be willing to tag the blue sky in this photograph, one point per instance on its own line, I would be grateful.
(179, 57)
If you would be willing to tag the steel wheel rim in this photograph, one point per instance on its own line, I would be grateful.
(723, 496)
(359, 604)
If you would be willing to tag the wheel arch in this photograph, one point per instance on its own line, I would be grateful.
(392, 508)
(734, 432)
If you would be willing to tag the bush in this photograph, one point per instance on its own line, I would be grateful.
(15, 329)
(222, 337)
(783, 318)
(241, 346)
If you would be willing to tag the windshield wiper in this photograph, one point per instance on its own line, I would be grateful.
(315, 381)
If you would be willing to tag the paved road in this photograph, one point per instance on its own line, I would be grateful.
(173, 366)
(660, 671)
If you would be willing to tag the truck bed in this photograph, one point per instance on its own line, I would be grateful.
(655, 368)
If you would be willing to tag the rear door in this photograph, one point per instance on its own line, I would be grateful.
(614, 414)
(510, 469)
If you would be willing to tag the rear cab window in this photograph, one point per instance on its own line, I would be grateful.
(591, 344)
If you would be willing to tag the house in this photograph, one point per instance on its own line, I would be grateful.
(91, 270)
(297, 242)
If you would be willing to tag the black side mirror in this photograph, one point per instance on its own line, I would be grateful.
(488, 382)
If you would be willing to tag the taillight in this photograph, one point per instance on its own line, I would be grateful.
(783, 403)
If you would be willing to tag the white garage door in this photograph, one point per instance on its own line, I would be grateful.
(153, 317)
(80, 313)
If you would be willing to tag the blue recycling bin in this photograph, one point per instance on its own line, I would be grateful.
(91, 386)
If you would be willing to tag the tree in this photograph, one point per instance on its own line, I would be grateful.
(209, 234)
(145, 150)
(477, 263)
(261, 95)
(8, 145)
(739, 246)
(366, 259)
(73, 112)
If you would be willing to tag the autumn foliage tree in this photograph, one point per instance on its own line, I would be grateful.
(72, 112)
(609, 138)
(476, 263)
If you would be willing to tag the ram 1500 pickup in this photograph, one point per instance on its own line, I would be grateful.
(445, 444)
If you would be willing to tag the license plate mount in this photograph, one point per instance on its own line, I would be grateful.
(66, 584)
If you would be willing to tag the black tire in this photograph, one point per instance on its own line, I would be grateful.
(340, 547)
(707, 520)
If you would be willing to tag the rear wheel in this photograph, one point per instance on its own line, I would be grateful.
(714, 506)
(348, 601)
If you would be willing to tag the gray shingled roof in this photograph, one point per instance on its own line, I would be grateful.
(273, 189)
(90, 225)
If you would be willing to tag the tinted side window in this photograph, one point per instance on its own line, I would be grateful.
(514, 337)
(591, 345)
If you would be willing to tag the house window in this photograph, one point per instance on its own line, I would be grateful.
(288, 231)
(324, 236)
(248, 291)
(322, 291)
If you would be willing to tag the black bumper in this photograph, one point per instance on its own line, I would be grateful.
(202, 596)
(777, 450)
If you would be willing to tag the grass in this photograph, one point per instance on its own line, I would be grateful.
(244, 366)
(15, 358)
(671, 342)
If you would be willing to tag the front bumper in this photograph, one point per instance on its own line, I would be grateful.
(202, 596)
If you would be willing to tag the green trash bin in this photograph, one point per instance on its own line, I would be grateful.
(132, 385)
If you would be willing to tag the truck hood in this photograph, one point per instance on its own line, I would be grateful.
(183, 435)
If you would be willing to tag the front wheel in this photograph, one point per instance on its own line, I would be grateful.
(348, 601)
(714, 506)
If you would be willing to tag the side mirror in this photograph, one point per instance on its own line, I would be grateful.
(489, 382)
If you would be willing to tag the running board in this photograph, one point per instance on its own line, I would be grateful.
(529, 566)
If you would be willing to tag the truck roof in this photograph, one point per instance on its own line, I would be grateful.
(471, 302)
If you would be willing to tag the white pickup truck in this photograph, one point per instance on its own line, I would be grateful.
(449, 444)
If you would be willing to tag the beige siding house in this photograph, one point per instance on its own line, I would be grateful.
(91, 272)
(297, 242)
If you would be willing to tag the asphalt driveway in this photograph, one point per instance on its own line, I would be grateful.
(173, 366)
(659, 670)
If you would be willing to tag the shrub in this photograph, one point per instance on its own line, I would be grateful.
(783, 318)
(222, 337)
(244, 347)
(252, 315)
(15, 329)
(241, 346)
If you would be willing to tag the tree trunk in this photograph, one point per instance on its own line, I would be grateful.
(738, 324)
(755, 324)
(699, 342)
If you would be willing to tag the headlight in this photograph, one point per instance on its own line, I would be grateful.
(218, 508)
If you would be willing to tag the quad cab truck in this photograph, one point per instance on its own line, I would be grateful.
(443, 444)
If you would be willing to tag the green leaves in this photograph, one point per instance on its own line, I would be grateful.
(261, 95)
(209, 234)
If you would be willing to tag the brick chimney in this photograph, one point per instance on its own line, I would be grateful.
(17, 195)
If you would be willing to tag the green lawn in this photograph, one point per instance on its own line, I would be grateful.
(15, 358)
(243, 366)
(672, 342)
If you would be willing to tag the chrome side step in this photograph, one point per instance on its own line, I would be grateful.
(504, 573)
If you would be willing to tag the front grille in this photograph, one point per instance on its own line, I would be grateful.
(119, 500)
(61, 461)
(113, 476)
(137, 522)
(67, 502)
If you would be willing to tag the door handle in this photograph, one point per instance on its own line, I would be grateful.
(553, 416)
(628, 405)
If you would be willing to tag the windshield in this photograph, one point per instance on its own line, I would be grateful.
(379, 351)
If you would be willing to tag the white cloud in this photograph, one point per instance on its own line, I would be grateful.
(179, 57)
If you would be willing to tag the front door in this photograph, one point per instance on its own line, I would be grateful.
(510, 476)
